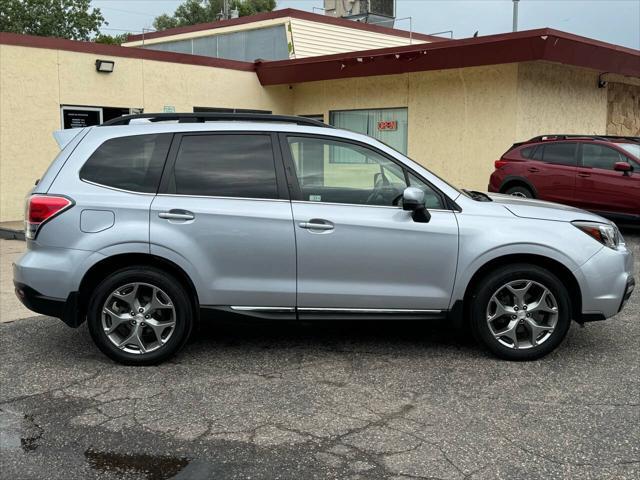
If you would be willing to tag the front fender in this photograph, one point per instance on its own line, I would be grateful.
(483, 240)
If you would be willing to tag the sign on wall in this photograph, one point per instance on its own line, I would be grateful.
(169, 109)
(80, 117)
(388, 125)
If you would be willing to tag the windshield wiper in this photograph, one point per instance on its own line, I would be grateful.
(479, 196)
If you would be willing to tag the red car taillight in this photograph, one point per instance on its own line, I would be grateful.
(42, 208)
(500, 163)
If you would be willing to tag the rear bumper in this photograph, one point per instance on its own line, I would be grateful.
(66, 309)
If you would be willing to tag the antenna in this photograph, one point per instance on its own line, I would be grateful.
(515, 15)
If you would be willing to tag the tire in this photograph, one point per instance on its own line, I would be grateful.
(520, 191)
(535, 330)
(144, 340)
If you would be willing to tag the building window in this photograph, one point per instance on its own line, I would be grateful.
(389, 125)
(268, 43)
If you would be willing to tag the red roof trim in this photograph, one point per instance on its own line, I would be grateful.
(286, 12)
(117, 51)
(542, 44)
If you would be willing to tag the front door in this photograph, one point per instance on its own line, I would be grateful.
(223, 215)
(356, 250)
(600, 188)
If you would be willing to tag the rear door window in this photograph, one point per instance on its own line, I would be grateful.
(131, 163)
(225, 166)
(559, 153)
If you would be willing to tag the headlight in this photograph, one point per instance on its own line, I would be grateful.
(606, 234)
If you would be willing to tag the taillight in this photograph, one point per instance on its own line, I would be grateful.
(500, 163)
(42, 208)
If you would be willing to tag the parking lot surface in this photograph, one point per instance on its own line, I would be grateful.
(324, 400)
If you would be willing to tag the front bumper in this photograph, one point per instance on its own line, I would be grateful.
(631, 284)
(606, 281)
(64, 309)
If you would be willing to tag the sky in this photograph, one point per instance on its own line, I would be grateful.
(613, 21)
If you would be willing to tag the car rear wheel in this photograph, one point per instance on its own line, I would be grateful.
(519, 191)
(521, 312)
(140, 316)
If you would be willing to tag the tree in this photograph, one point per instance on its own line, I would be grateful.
(71, 19)
(192, 12)
(111, 39)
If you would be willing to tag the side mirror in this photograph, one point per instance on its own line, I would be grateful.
(623, 167)
(413, 200)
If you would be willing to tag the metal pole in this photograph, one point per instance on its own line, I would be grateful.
(515, 15)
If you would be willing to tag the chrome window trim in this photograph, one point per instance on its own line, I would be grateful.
(370, 206)
(115, 188)
(222, 197)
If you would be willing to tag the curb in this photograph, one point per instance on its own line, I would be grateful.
(11, 234)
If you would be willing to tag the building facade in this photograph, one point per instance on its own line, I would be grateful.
(454, 106)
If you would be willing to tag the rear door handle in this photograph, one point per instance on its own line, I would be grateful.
(534, 170)
(316, 225)
(177, 215)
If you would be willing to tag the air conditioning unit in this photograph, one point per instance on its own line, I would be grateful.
(379, 12)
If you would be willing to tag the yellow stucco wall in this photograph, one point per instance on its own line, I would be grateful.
(458, 119)
(35, 82)
(462, 120)
(554, 98)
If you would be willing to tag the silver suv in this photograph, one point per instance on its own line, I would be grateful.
(145, 225)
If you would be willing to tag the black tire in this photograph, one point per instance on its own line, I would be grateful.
(491, 283)
(520, 191)
(184, 315)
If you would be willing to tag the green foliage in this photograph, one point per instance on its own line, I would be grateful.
(192, 12)
(111, 39)
(73, 19)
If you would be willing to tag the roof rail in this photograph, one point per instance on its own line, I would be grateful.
(215, 117)
(564, 136)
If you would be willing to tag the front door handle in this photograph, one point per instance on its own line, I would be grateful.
(316, 224)
(584, 175)
(177, 215)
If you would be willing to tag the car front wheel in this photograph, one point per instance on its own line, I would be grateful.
(521, 312)
(140, 316)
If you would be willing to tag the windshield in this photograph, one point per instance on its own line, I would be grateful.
(632, 148)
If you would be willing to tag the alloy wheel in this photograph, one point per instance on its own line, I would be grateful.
(138, 318)
(522, 314)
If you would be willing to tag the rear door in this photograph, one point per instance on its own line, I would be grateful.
(600, 188)
(553, 171)
(223, 214)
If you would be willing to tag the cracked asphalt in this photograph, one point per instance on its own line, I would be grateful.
(322, 400)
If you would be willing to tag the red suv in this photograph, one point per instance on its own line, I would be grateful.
(597, 173)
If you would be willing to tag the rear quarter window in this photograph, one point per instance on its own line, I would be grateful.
(132, 163)
(527, 152)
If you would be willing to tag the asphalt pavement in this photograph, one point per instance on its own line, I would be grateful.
(356, 400)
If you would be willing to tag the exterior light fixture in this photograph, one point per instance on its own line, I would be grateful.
(105, 66)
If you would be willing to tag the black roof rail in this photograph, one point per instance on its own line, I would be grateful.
(215, 117)
(564, 136)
